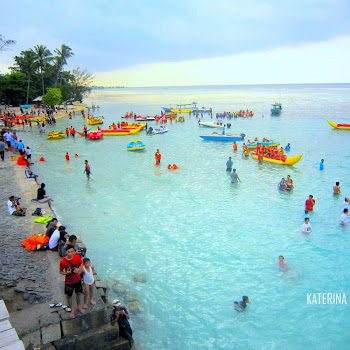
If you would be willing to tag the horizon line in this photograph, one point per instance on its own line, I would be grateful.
(167, 86)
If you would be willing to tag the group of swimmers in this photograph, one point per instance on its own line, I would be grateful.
(286, 185)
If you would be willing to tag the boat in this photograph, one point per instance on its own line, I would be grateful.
(182, 108)
(268, 143)
(135, 146)
(284, 160)
(211, 124)
(95, 135)
(223, 137)
(119, 132)
(276, 108)
(339, 126)
(152, 131)
(55, 135)
(145, 119)
(94, 121)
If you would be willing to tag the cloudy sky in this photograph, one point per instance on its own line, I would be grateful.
(188, 42)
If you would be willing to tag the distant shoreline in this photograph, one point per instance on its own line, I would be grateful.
(328, 85)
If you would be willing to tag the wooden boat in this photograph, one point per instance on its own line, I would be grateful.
(284, 160)
(223, 137)
(339, 126)
(276, 108)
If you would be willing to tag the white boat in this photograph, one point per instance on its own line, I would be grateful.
(152, 131)
(145, 118)
(211, 124)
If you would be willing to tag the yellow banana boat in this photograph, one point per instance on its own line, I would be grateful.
(94, 121)
(55, 135)
(339, 126)
(286, 161)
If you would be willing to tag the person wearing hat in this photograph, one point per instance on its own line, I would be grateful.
(14, 208)
(59, 234)
(121, 316)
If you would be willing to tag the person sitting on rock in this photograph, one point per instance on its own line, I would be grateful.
(51, 227)
(29, 174)
(72, 242)
(120, 314)
(14, 208)
(58, 235)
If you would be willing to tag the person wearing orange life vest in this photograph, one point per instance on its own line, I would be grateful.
(175, 167)
(157, 157)
(67, 132)
(169, 167)
(235, 147)
(67, 156)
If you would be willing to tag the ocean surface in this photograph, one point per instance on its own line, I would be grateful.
(203, 242)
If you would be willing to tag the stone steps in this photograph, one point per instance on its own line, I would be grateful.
(8, 336)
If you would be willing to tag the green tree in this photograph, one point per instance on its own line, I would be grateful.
(52, 97)
(26, 64)
(63, 54)
(13, 88)
(43, 57)
(5, 44)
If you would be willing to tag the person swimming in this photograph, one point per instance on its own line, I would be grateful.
(240, 306)
(282, 264)
(287, 148)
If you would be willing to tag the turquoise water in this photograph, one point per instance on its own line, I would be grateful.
(203, 242)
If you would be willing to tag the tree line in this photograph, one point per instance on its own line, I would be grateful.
(37, 71)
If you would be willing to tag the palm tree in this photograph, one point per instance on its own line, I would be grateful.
(43, 57)
(26, 63)
(61, 59)
(5, 44)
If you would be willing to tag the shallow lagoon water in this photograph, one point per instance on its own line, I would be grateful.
(202, 241)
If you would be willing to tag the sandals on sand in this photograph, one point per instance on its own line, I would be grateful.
(56, 305)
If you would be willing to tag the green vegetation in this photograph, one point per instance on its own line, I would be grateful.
(38, 72)
(53, 97)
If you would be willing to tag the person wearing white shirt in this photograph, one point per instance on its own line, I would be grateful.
(306, 228)
(346, 203)
(344, 219)
(58, 234)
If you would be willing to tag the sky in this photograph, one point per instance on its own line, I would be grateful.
(188, 42)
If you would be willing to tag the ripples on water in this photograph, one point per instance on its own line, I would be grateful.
(203, 242)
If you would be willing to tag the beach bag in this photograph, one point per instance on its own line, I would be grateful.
(37, 212)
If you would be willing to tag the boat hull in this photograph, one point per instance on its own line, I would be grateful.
(339, 126)
(210, 125)
(226, 137)
(288, 161)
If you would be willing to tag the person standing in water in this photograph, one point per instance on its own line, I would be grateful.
(309, 204)
(158, 157)
(336, 188)
(306, 228)
(322, 164)
(234, 177)
(87, 170)
(67, 156)
(229, 164)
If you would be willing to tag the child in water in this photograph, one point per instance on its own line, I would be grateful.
(282, 264)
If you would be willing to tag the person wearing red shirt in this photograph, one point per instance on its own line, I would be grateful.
(71, 266)
(309, 204)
